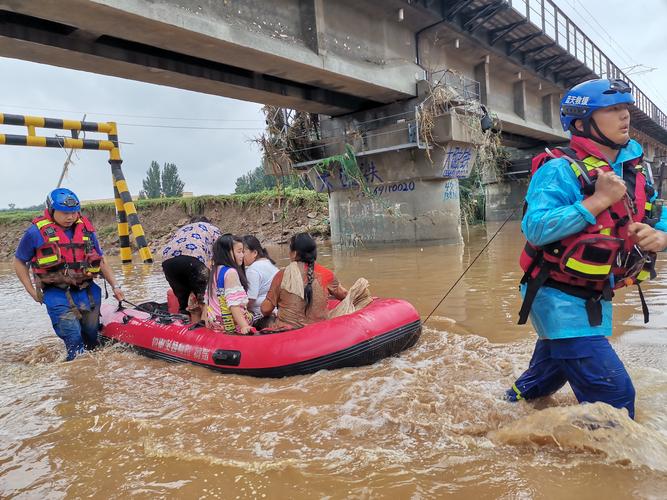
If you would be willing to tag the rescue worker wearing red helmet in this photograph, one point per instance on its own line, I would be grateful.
(62, 250)
(591, 227)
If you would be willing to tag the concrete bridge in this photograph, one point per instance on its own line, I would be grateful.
(366, 67)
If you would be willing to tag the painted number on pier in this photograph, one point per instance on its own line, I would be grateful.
(394, 188)
(451, 190)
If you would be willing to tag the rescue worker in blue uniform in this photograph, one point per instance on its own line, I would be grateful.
(591, 226)
(62, 250)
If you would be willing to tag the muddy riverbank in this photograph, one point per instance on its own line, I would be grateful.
(271, 218)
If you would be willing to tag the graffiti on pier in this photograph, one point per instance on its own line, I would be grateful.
(451, 190)
(458, 162)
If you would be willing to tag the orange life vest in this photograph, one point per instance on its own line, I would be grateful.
(62, 260)
(603, 257)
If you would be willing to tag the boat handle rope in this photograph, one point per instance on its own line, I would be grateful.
(471, 264)
(153, 313)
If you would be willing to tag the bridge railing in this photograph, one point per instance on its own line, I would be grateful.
(467, 88)
(556, 24)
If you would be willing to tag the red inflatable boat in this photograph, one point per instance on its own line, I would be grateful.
(383, 328)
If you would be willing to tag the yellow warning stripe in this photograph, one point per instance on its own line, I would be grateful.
(123, 229)
(137, 231)
(126, 254)
(145, 254)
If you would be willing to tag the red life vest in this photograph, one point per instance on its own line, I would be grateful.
(64, 261)
(603, 256)
(324, 276)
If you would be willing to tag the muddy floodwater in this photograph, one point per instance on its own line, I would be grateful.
(426, 424)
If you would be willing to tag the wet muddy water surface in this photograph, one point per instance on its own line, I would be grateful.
(429, 423)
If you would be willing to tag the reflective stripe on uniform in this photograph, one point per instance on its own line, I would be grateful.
(47, 260)
(590, 269)
(591, 163)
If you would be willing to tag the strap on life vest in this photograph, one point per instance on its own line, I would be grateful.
(592, 297)
(72, 305)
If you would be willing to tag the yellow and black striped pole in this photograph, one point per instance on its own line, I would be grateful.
(129, 212)
(125, 209)
(123, 228)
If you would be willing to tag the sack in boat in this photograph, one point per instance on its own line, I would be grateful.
(358, 297)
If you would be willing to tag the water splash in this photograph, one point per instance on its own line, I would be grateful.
(597, 428)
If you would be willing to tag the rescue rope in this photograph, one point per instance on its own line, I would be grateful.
(470, 265)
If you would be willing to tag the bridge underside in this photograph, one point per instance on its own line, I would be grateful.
(359, 62)
(326, 57)
(214, 57)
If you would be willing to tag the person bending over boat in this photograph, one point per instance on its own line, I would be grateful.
(62, 249)
(187, 256)
(301, 290)
(259, 270)
(226, 296)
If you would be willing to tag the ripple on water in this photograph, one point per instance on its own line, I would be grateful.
(425, 424)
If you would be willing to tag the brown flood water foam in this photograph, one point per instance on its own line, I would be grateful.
(428, 423)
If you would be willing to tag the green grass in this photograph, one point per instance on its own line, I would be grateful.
(16, 216)
(197, 204)
(192, 205)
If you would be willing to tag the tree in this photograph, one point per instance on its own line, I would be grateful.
(172, 185)
(162, 183)
(152, 183)
(254, 181)
(258, 180)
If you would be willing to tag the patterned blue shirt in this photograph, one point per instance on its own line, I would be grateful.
(195, 240)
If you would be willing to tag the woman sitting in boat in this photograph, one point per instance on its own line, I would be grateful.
(301, 290)
(259, 270)
(226, 296)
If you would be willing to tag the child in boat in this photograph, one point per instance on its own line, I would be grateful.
(226, 296)
(260, 270)
(301, 290)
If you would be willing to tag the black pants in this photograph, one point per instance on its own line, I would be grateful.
(186, 275)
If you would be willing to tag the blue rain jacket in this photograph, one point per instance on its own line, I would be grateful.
(555, 211)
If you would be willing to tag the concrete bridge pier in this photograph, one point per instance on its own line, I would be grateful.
(504, 197)
(412, 196)
(407, 209)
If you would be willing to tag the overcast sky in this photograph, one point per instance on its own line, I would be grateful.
(209, 161)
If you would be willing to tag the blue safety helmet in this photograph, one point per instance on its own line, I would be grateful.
(64, 200)
(583, 99)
